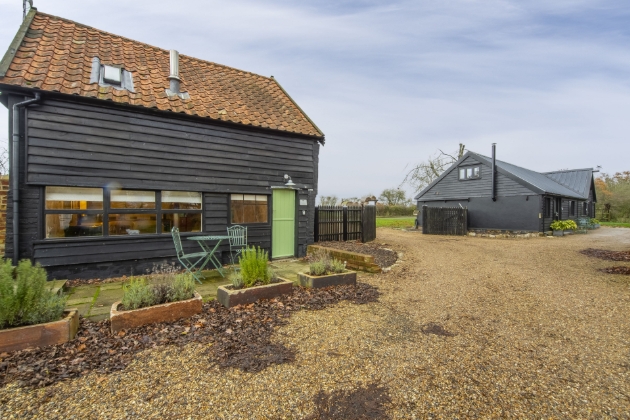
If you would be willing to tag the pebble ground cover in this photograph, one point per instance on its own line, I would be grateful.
(462, 327)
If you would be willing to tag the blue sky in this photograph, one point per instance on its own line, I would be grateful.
(390, 83)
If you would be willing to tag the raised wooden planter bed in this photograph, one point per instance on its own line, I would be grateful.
(306, 280)
(166, 312)
(41, 335)
(354, 260)
(229, 298)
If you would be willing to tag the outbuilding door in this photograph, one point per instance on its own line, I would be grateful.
(283, 224)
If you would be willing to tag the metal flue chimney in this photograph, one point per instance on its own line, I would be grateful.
(174, 76)
(494, 172)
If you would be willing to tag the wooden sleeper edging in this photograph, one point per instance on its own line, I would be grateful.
(354, 260)
(316, 282)
(166, 312)
(40, 335)
(230, 298)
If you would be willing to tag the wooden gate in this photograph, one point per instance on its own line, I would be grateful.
(444, 220)
(337, 223)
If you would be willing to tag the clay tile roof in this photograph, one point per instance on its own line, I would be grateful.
(55, 54)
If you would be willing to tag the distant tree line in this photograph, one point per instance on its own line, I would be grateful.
(613, 197)
(392, 202)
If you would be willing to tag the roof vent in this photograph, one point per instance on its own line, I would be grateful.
(112, 75)
(174, 80)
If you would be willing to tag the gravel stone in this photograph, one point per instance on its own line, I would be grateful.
(535, 331)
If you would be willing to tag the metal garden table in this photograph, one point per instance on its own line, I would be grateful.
(205, 244)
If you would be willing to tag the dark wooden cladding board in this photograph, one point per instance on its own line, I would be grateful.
(79, 144)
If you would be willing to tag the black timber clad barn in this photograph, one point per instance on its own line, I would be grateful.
(122, 141)
(524, 200)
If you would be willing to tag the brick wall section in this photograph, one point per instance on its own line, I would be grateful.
(4, 189)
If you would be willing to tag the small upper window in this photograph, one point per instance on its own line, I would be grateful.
(112, 75)
(470, 172)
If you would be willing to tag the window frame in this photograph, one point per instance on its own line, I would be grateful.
(107, 210)
(572, 208)
(253, 224)
(465, 168)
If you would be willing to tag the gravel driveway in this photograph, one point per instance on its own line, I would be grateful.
(465, 327)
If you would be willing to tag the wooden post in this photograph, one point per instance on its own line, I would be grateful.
(345, 223)
(316, 235)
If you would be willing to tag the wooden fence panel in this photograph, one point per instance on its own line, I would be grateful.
(336, 223)
(444, 220)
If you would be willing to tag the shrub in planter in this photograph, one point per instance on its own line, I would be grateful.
(140, 294)
(143, 303)
(322, 264)
(562, 225)
(24, 297)
(325, 271)
(31, 314)
(255, 280)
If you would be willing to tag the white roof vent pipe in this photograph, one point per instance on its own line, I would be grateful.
(174, 80)
(174, 76)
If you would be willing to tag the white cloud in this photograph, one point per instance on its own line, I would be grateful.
(390, 83)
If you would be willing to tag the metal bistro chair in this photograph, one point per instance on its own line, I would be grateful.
(190, 261)
(238, 241)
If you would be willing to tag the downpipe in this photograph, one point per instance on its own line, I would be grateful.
(15, 172)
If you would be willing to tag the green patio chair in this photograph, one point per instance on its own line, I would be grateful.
(197, 260)
(238, 241)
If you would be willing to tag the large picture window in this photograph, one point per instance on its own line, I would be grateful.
(74, 211)
(249, 208)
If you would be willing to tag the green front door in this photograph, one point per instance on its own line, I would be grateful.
(283, 224)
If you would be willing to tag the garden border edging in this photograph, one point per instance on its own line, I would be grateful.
(40, 335)
(230, 298)
(166, 312)
(337, 279)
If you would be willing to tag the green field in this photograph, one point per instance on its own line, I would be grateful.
(395, 222)
(611, 224)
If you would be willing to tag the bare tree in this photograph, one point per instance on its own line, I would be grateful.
(4, 161)
(426, 172)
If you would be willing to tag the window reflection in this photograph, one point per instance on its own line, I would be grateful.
(249, 208)
(73, 198)
(73, 225)
(181, 200)
(186, 222)
(131, 199)
(132, 224)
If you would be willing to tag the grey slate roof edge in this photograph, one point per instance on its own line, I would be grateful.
(17, 41)
(567, 170)
(439, 178)
(579, 180)
(532, 185)
(488, 162)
